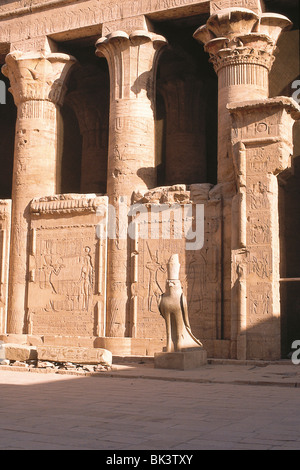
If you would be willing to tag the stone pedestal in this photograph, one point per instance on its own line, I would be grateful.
(181, 360)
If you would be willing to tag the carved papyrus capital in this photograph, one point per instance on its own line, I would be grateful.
(237, 36)
(131, 61)
(38, 77)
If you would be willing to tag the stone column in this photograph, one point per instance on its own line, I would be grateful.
(38, 86)
(241, 44)
(131, 156)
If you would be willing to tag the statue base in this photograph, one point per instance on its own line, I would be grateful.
(182, 360)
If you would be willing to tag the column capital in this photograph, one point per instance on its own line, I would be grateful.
(131, 59)
(236, 36)
(38, 76)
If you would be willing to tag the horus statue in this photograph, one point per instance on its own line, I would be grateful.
(173, 308)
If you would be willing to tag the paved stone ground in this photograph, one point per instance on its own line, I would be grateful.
(136, 407)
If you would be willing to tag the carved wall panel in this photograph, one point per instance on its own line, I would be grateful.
(67, 267)
(5, 223)
(200, 271)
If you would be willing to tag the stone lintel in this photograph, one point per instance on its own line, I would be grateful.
(122, 10)
(128, 25)
(255, 5)
(182, 360)
(70, 20)
(41, 44)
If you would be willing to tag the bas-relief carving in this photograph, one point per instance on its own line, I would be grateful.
(200, 275)
(260, 303)
(260, 263)
(64, 281)
(66, 288)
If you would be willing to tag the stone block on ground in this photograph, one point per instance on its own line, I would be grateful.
(75, 355)
(183, 360)
(18, 352)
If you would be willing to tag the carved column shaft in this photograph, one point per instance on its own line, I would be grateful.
(131, 155)
(37, 84)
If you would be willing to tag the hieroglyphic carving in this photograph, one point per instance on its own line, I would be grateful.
(260, 263)
(260, 303)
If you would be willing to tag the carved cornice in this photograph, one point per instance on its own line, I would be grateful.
(67, 204)
(38, 77)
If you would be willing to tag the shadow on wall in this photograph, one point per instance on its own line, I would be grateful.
(289, 210)
(8, 116)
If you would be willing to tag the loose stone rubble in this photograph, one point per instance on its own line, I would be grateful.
(55, 366)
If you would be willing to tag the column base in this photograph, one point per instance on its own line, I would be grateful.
(183, 360)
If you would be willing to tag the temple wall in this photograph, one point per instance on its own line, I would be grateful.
(175, 111)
